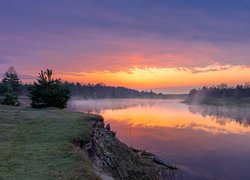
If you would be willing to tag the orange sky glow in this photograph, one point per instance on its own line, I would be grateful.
(164, 77)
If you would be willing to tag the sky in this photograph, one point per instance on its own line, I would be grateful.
(168, 46)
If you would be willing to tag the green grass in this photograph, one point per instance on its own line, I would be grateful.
(37, 144)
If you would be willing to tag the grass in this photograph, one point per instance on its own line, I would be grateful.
(37, 144)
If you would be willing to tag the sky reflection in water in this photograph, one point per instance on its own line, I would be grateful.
(207, 140)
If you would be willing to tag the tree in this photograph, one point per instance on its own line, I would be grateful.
(11, 80)
(9, 88)
(192, 92)
(113, 92)
(49, 92)
(2, 89)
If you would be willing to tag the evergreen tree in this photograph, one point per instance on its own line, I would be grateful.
(49, 92)
(9, 88)
(2, 89)
(11, 80)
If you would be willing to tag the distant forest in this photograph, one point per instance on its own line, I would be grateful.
(221, 94)
(11, 84)
(101, 91)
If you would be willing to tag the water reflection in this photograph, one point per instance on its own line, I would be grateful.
(224, 114)
(99, 106)
(208, 141)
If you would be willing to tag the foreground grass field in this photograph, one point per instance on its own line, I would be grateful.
(37, 144)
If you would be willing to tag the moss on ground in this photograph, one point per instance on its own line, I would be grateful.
(37, 144)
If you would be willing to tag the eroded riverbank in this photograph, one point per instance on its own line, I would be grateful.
(115, 160)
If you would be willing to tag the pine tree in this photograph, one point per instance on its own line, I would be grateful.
(11, 80)
(49, 92)
(10, 86)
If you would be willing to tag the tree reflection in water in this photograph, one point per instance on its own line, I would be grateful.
(223, 114)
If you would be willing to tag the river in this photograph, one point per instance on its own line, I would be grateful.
(206, 141)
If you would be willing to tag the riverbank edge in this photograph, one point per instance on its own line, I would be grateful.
(112, 159)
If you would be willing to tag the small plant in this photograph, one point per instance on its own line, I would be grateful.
(49, 92)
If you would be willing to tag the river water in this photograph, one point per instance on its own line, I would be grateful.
(206, 141)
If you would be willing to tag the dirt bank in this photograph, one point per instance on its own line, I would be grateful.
(113, 159)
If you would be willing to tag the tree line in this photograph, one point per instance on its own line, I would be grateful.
(238, 93)
(100, 91)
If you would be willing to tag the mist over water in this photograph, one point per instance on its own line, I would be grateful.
(223, 114)
(101, 105)
(209, 141)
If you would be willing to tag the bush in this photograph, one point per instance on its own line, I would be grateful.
(9, 99)
(48, 92)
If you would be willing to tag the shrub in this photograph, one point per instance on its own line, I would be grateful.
(9, 99)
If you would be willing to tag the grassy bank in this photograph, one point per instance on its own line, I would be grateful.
(37, 144)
